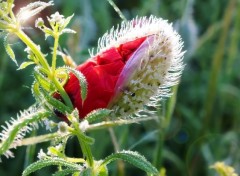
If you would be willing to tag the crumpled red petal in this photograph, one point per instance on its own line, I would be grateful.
(102, 73)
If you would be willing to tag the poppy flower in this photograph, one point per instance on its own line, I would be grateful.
(134, 63)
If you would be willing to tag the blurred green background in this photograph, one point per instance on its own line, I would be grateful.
(197, 127)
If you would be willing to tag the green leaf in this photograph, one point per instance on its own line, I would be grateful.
(82, 81)
(42, 80)
(65, 172)
(86, 172)
(9, 50)
(55, 103)
(50, 162)
(67, 20)
(15, 129)
(48, 32)
(133, 158)
(25, 64)
(36, 90)
(3, 24)
(97, 115)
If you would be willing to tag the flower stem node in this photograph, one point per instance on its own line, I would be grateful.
(84, 125)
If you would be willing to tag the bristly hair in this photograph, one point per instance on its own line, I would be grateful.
(158, 63)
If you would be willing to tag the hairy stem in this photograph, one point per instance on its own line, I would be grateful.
(54, 56)
(107, 124)
(84, 145)
(33, 47)
(97, 126)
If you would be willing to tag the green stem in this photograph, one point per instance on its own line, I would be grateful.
(4, 16)
(59, 87)
(163, 127)
(33, 47)
(39, 139)
(84, 146)
(44, 63)
(107, 124)
(62, 92)
(98, 126)
(54, 56)
(115, 7)
(216, 67)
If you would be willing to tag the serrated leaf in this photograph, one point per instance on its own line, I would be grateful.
(10, 51)
(97, 115)
(49, 162)
(32, 9)
(133, 158)
(82, 81)
(25, 64)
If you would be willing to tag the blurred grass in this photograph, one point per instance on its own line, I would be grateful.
(204, 123)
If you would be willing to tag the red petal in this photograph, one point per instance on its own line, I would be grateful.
(101, 72)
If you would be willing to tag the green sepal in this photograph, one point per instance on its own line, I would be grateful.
(9, 50)
(66, 21)
(133, 158)
(25, 64)
(97, 115)
(49, 162)
(82, 82)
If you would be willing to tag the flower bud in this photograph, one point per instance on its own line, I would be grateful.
(135, 63)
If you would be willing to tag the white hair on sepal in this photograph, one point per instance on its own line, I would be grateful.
(152, 69)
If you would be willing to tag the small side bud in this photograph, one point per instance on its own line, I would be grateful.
(39, 23)
(62, 127)
(41, 155)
